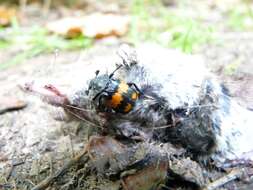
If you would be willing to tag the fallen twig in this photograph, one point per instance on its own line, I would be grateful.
(46, 182)
(234, 174)
(12, 168)
(6, 186)
(11, 104)
(163, 127)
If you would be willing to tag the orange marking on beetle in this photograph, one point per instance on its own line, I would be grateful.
(123, 87)
(134, 96)
(128, 108)
(116, 100)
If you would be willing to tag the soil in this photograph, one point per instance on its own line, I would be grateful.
(39, 135)
(36, 135)
(231, 61)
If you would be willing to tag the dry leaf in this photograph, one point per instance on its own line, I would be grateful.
(10, 104)
(95, 26)
(6, 15)
(69, 27)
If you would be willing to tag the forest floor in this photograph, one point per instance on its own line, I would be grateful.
(32, 135)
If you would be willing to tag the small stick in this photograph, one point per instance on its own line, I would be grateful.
(46, 182)
(83, 119)
(46, 7)
(234, 174)
(163, 127)
(51, 164)
(6, 186)
(23, 4)
(12, 168)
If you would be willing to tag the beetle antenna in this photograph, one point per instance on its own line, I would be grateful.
(97, 72)
(111, 75)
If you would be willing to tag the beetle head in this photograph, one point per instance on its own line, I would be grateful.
(98, 84)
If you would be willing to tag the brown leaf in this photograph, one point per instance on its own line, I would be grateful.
(103, 146)
(148, 178)
(6, 15)
(95, 26)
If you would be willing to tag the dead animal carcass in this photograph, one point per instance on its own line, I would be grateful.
(152, 102)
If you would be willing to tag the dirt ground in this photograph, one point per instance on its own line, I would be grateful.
(39, 135)
(32, 134)
(235, 50)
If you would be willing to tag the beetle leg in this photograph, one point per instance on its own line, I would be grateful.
(97, 95)
(100, 100)
(135, 86)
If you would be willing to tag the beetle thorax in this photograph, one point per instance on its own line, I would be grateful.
(98, 84)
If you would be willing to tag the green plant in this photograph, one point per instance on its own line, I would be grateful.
(151, 21)
(240, 17)
(36, 41)
(190, 36)
(232, 68)
(4, 44)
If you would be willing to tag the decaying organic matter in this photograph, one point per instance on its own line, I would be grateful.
(172, 138)
(46, 182)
